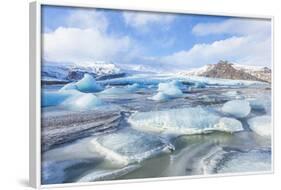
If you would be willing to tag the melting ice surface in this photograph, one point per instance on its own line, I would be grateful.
(129, 146)
(149, 114)
(184, 121)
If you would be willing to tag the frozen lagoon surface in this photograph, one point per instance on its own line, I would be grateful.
(146, 126)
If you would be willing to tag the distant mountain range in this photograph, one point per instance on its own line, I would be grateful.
(55, 73)
(226, 70)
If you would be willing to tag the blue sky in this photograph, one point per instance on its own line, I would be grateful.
(152, 40)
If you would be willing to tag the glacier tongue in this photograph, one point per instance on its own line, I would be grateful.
(187, 121)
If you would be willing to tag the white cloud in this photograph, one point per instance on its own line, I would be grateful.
(250, 44)
(234, 26)
(84, 38)
(141, 20)
(87, 19)
(243, 50)
(82, 45)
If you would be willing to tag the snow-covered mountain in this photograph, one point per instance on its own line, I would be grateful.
(55, 73)
(227, 70)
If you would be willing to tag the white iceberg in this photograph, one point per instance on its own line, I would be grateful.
(229, 125)
(160, 97)
(182, 121)
(237, 108)
(101, 175)
(257, 104)
(121, 90)
(261, 125)
(83, 101)
(129, 146)
(86, 84)
(54, 98)
(168, 91)
(69, 86)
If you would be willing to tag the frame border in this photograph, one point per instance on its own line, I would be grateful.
(35, 51)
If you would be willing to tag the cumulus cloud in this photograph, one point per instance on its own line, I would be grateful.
(142, 20)
(250, 44)
(87, 19)
(82, 45)
(84, 39)
(234, 26)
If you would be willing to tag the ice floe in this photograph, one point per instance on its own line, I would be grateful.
(86, 84)
(54, 98)
(236, 162)
(83, 101)
(229, 125)
(122, 90)
(183, 121)
(168, 91)
(237, 108)
(101, 175)
(129, 146)
(261, 125)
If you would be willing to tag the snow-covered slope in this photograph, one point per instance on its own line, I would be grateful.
(61, 72)
(227, 70)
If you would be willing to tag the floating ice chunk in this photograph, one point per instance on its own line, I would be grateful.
(257, 104)
(261, 125)
(237, 162)
(229, 125)
(83, 101)
(69, 86)
(182, 121)
(172, 89)
(160, 97)
(129, 146)
(102, 175)
(53, 98)
(230, 93)
(199, 85)
(237, 108)
(88, 84)
(122, 90)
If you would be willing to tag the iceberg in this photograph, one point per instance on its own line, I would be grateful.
(122, 90)
(88, 84)
(160, 97)
(167, 91)
(83, 101)
(53, 98)
(237, 108)
(69, 86)
(261, 125)
(257, 104)
(236, 162)
(171, 88)
(102, 175)
(185, 121)
(129, 146)
(229, 125)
